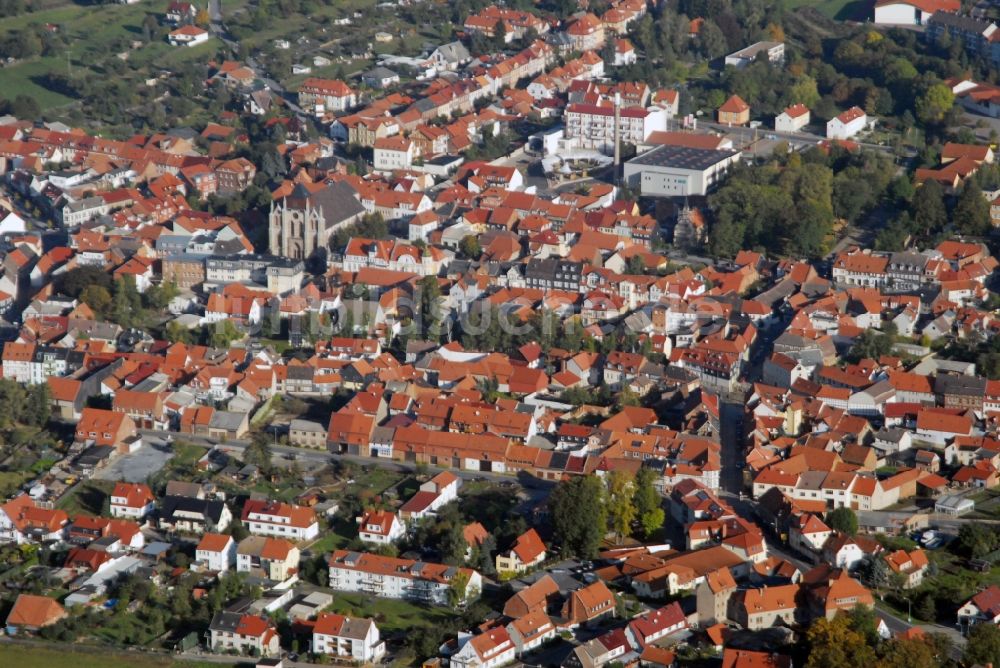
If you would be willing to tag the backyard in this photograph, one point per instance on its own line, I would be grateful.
(392, 615)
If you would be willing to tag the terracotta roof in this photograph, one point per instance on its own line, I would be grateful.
(529, 547)
(734, 105)
(35, 611)
(214, 542)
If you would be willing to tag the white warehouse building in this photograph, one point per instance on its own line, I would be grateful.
(678, 171)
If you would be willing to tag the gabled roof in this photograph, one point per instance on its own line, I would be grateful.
(35, 611)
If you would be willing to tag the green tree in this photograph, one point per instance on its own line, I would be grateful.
(75, 281)
(871, 344)
(833, 644)
(38, 406)
(579, 519)
(863, 620)
(259, 453)
(804, 91)
(909, 653)
(458, 589)
(223, 334)
(927, 207)
(976, 540)
(982, 646)
(620, 503)
(178, 333)
(126, 306)
(430, 306)
(843, 519)
(97, 298)
(934, 103)
(158, 297)
(647, 502)
(469, 247)
(972, 212)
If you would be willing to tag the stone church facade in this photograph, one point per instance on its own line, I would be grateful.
(302, 222)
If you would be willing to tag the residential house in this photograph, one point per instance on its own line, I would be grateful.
(587, 605)
(390, 577)
(132, 500)
(527, 552)
(347, 638)
(380, 526)
(281, 520)
(734, 111)
(32, 613)
(243, 634)
(792, 119)
(216, 552)
(273, 558)
(847, 124)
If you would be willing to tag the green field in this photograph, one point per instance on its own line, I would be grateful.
(24, 656)
(20, 80)
(842, 10)
(91, 31)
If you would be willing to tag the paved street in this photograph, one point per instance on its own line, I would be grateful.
(731, 438)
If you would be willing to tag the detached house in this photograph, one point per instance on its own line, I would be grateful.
(394, 153)
(215, 552)
(244, 634)
(188, 35)
(486, 650)
(273, 558)
(655, 625)
(911, 566)
(983, 607)
(847, 124)
(380, 526)
(766, 607)
(346, 638)
(322, 96)
(132, 500)
(792, 119)
(734, 111)
(22, 520)
(436, 492)
(31, 613)
(282, 520)
(528, 551)
(185, 514)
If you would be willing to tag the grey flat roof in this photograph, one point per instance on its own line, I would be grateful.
(682, 157)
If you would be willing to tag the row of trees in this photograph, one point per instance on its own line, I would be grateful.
(585, 508)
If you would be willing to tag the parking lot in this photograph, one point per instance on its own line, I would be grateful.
(138, 466)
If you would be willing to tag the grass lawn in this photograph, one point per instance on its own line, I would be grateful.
(391, 615)
(328, 542)
(31, 656)
(87, 498)
(187, 453)
(377, 480)
(20, 79)
(10, 481)
(842, 10)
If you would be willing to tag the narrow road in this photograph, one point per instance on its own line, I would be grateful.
(731, 439)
